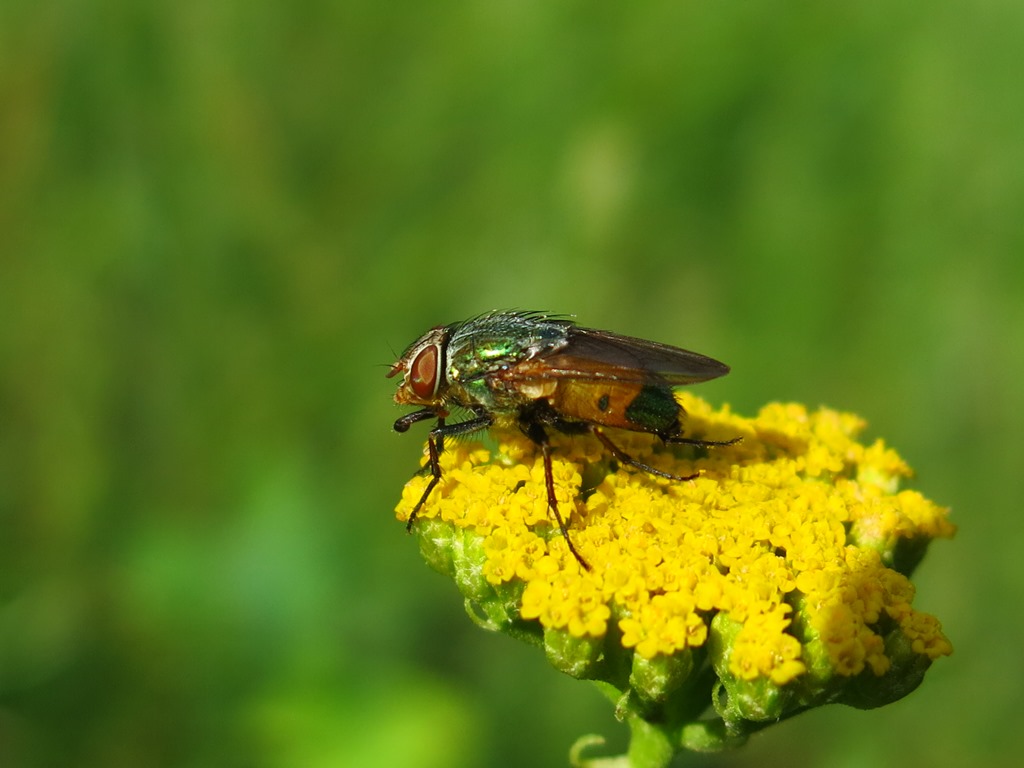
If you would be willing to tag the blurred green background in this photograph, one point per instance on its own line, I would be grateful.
(219, 222)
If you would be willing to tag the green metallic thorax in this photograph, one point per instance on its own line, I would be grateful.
(482, 347)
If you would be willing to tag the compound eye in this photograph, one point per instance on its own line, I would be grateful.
(423, 373)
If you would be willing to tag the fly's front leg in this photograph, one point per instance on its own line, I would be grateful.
(403, 423)
(435, 446)
(434, 465)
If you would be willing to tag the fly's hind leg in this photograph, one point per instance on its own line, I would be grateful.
(700, 443)
(625, 458)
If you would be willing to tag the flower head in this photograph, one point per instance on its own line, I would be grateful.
(776, 580)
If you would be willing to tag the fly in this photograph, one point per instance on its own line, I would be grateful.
(535, 372)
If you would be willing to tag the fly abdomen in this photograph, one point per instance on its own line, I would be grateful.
(654, 409)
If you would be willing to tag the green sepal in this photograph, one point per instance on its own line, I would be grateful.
(457, 553)
(758, 700)
(654, 680)
(579, 657)
(867, 690)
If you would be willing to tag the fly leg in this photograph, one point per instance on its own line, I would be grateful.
(403, 423)
(435, 447)
(535, 431)
(625, 458)
(699, 442)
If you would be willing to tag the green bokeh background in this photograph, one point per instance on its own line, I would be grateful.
(220, 221)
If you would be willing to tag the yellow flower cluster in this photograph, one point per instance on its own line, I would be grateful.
(798, 518)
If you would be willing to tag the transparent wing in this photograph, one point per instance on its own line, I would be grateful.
(590, 354)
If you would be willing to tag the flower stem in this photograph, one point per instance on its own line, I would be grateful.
(649, 745)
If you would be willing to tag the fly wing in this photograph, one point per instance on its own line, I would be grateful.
(601, 355)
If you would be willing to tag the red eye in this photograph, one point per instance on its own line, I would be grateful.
(423, 374)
